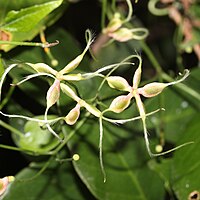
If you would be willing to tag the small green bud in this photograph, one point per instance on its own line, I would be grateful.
(118, 83)
(53, 94)
(73, 115)
(152, 89)
(122, 35)
(42, 68)
(114, 24)
(120, 103)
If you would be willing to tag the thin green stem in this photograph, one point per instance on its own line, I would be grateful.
(101, 148)
(11, 129)
(151, 57)
(130, 11)
(40, 171)
(11, 148)
(70, 135)
(156, 11)
(183, 87)
(7, 98)
(37, 44)
(113, 5)
(103, 14)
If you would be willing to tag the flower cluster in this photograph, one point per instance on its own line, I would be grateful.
(118, 105)
(120, 33)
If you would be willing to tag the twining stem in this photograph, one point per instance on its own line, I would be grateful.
(183, 87)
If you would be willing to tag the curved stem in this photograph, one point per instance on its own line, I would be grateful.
(122, 121)
(156, 11)
(130, 11)
(101, 148)
(4, 76)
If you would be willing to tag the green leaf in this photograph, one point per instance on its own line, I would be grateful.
(163, 168)
(8, 5)
(178, 113)
(125, 160)
(185, 167)
(64, 53)
(25, 19)
(47, 20)
(35, 138)
(54, 184)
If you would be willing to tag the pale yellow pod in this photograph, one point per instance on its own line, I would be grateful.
(120, 103)
(118, 83)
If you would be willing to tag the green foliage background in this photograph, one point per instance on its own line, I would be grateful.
(131, 173)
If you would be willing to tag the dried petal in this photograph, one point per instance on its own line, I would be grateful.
(53, 94)
(118, 83)
(120, 103)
